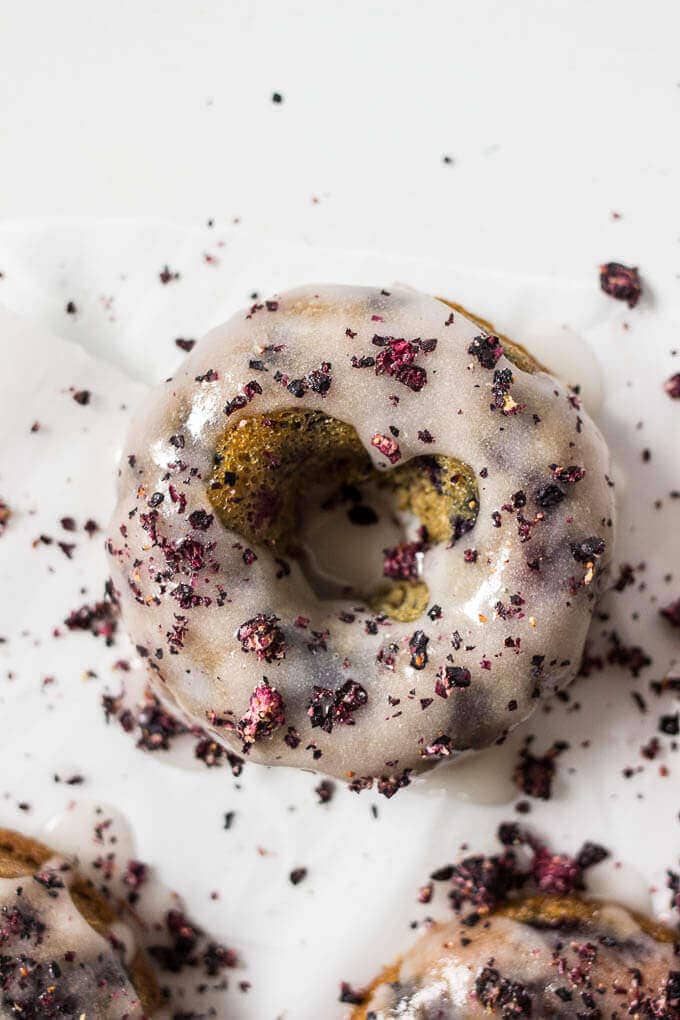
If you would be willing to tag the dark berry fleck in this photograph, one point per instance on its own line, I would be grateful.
(185, 345)
(349, 996)
(549, 496)
(200, 519)
(417, 647)
(589, 549)
(671, 612)
(262, 636)
(487, 350)
(567, 475)
(621, 282)
(327, 708)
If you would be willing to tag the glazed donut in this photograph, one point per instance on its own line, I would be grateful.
(334, 400)
(539, 957)
(62, 951)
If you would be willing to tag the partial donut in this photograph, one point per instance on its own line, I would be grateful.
(64, 951)
(541, 957)
(377, 413)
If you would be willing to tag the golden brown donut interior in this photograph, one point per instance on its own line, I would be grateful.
(514, 352)
(557, 910)
(266, 461)
(21, 855)
(263, 462)
(541, 911)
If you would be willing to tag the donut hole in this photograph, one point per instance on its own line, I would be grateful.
(302, 484)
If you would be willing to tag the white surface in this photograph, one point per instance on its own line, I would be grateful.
(556, 112)
(352, 913)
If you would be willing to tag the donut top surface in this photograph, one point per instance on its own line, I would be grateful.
(53, 963)
(491, 477)
(563, 958)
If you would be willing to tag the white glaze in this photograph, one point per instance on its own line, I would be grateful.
(622, 882)
(93, 831)
(73, 831)
(485, 777)
(94, 981)
(212, 674)
(570, 357)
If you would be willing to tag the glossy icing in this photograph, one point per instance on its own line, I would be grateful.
(514, 652)
(52, 962)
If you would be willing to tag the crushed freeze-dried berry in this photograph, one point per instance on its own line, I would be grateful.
(262, 636)
(250, 391)
(349, 995)
(500, 995)
(670, 724)
(325, 791)
(568, 475)
(549, 496)
(487, 350)
(186, 946)
(200, 519)
(167, 275)
(483, 882)
(502, 398)
(185, 345)
(397, 359)
(266, 712)
(388, 447)
(328, 708)
(555, 874)
(450, 678)
(438, 748)
(100, 619)
(534, 774)
(401, 562)
(5, 514)
(417, 647)
(136, 874)
(671, 613)
(621, 282)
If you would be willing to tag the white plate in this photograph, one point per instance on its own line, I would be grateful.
(353, 911)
